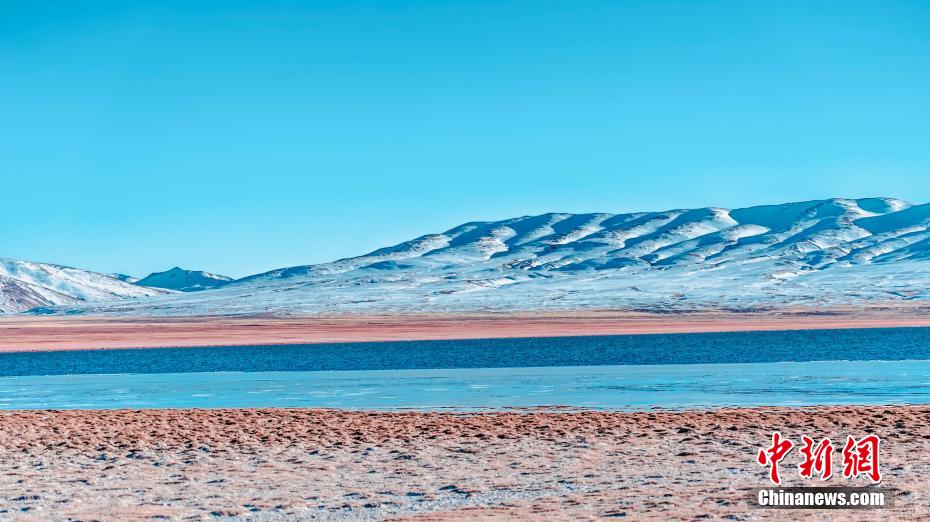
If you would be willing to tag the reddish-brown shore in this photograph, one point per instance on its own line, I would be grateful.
(324, 464)
(28, 333)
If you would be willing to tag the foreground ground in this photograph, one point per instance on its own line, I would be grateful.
(324, 464)
(31, 333)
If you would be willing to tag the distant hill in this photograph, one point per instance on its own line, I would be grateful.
(184, 280)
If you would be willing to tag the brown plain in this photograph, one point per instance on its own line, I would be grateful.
(28, 333)
(285, 464)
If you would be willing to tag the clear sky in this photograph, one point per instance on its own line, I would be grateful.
(238, 137)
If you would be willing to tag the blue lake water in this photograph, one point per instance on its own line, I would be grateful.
(875, 366)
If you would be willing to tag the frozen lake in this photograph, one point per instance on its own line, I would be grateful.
(602, 387)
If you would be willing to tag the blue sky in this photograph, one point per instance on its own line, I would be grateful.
(238, 137)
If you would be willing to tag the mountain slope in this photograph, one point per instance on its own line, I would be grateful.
(25, 285)
(817, 253)
(184, 280)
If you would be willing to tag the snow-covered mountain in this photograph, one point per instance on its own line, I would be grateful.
(25, 285)
(829, 252)
(184, 280)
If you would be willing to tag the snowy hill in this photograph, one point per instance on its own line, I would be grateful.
(25, 285)
(830, 252)
(184, 280)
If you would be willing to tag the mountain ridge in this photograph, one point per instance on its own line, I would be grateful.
(817, 253)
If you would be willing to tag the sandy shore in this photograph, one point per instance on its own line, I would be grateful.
(323, 464)
(28, 333)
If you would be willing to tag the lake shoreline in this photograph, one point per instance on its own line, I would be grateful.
(19, 333)
(292, 463)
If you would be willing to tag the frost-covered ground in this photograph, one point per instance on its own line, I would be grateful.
(830, 252)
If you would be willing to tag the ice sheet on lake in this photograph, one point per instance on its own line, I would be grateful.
(599, 387)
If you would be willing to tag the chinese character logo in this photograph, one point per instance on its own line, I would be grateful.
(772, 455)
(859, 457)
(818, 460)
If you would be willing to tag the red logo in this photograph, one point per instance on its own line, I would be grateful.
(773, 455)
(819, 459)
(859, 457)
